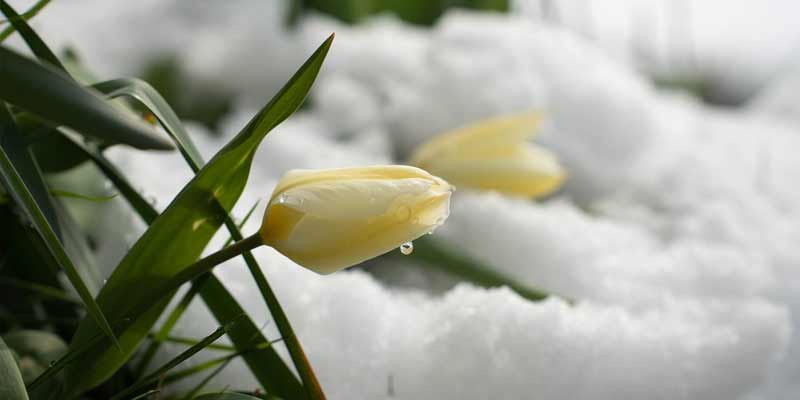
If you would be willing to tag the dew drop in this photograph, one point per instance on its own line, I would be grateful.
(407, 248)
(152, 200)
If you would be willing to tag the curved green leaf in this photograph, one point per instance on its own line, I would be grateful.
(143, 92)
(51, 94)
(11, 386)
(178, 236)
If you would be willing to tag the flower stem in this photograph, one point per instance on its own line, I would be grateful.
(198, 268)
(210, 261)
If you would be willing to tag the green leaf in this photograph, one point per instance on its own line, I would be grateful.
(51, 94)
(186, 354)
(178, 310)
(204, 382)
(156, 104)
(14, 144)
(33, 40)
(42, 290)
(11, 386)
(36, 350)
(226, 396)
(19, 191)
(263, 361)
(178, 236)
(150, 98)
(25, 16)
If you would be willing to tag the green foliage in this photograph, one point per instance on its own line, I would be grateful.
(177, 237)
(53, 117)
(422, 12)
(11, 386)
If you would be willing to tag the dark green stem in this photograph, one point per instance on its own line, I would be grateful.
(207, 263)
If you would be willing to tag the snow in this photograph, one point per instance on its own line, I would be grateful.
(676, 231)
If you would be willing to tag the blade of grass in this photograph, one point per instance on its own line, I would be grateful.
(182, 232)
(35, 43)
(191, 342)
(166, 328)
(22, 196)
(242, 223)
(204, 382)
(42, 290)
(73, 195)
(27, 15)
(183, 356)
(24, 163)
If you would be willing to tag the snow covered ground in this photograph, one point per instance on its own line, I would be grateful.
(677, 230)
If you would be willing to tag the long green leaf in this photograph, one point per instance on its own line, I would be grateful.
(151, 99)
(264, 362)
(19, 155)
(11, 385)
(177, 237)
(51, 94)
(178, 310)
(26, 16)
(155, 103)
(33, 40)
(23, 197)
(183, 356)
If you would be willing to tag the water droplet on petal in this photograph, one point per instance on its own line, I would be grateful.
(407, 248)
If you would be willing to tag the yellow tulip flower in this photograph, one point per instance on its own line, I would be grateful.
(326, 220)
(493, 155)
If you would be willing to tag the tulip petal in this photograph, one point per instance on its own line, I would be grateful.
(298, 177)
(491, 137)
(350, 199)
(531, 171)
